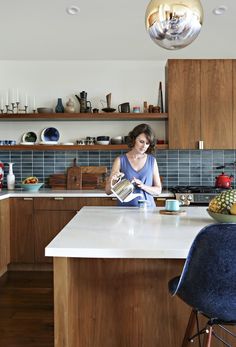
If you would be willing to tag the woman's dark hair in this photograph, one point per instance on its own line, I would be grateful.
(142, 129)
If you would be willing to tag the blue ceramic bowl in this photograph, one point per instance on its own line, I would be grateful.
(103, 138)
(34, 187)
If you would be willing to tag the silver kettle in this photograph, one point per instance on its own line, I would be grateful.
(123, 190)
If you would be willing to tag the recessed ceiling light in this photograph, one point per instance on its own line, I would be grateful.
(218, 11)
(72, 10)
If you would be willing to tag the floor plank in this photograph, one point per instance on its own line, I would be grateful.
(26, 309)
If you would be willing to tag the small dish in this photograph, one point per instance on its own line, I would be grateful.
(108, 109)
(44, 110)
(30, 137)
(222, 218)
(34, 187)
(50, 134)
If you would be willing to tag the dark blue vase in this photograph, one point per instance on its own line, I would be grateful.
(59, 107)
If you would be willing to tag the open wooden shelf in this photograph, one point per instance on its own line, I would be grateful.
(70, 148)
(83, 116)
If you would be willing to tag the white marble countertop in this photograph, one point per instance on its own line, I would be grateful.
(63, 193)
(122, 232)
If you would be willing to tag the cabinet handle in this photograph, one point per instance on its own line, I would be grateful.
(114, 199)
(28, 199)
(58, 198)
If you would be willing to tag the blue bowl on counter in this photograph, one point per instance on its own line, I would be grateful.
(34, 187)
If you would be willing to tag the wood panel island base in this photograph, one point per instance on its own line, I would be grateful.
(111, 271)
(117, 303)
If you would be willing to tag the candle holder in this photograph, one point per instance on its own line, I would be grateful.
(34, 111)
(15, 106)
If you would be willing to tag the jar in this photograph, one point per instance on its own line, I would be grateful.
(136, 109)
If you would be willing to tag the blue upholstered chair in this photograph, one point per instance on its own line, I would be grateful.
(208, 282)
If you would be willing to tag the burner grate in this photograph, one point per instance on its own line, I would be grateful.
(196, 189)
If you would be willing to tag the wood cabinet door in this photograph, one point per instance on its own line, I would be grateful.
(96, 201)
(47, 224)
(4, 234)
(183, 90)
(217, 104)
(21, 230)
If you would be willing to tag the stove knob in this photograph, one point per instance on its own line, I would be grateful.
(182, 197)
(190, 197)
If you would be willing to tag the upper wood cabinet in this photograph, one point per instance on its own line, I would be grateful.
(200, 103)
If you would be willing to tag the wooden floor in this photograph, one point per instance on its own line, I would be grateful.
(26, 309)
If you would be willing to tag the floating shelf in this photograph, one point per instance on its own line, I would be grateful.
(70, 148)
(83, 116)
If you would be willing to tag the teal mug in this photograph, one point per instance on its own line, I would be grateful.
(172, 205)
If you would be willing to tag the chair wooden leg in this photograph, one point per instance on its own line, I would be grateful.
(207, 338)
(189, 329)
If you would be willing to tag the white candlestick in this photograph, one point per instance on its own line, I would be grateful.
(13, 96)
(34, 104)
(26, 100)
(17, 95)
(2, 103)
(7, 98)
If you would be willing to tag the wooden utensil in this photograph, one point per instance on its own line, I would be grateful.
(74, 177)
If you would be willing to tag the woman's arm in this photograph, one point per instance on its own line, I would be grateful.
(156, 187)
(115, 173)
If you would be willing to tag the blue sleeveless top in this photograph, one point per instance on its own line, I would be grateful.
(145, 175)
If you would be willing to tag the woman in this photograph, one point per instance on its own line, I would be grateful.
(138, 166)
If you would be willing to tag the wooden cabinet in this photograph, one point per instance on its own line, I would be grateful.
(50, 217)
(4, 235)
(96, 201)
(200, 103)
(21, 230)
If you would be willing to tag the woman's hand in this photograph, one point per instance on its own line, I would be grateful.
(117, 175)
(138, 183)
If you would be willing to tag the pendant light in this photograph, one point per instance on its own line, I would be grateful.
(174, 24)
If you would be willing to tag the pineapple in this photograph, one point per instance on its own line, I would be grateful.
(223, 202)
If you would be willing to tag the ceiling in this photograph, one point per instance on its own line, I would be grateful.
(103, 30)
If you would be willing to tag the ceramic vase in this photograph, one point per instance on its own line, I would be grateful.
(70, 106)
(10, 178)
(59, 107)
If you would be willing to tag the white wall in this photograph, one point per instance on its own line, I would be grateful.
(133, 81)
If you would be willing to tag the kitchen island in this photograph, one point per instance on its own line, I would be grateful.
(111, 270)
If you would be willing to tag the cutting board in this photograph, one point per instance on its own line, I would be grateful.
(74, 177)
(176, 213)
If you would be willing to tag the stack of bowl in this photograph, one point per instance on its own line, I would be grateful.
(103, 140)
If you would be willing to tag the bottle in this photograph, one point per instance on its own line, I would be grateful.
(1, 175)
(10, 178)
(59, 107)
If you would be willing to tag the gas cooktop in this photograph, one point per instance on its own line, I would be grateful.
(196, 194)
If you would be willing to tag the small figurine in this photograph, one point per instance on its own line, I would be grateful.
(70, 106)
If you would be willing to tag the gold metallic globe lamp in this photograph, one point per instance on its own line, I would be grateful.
(174, 24)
